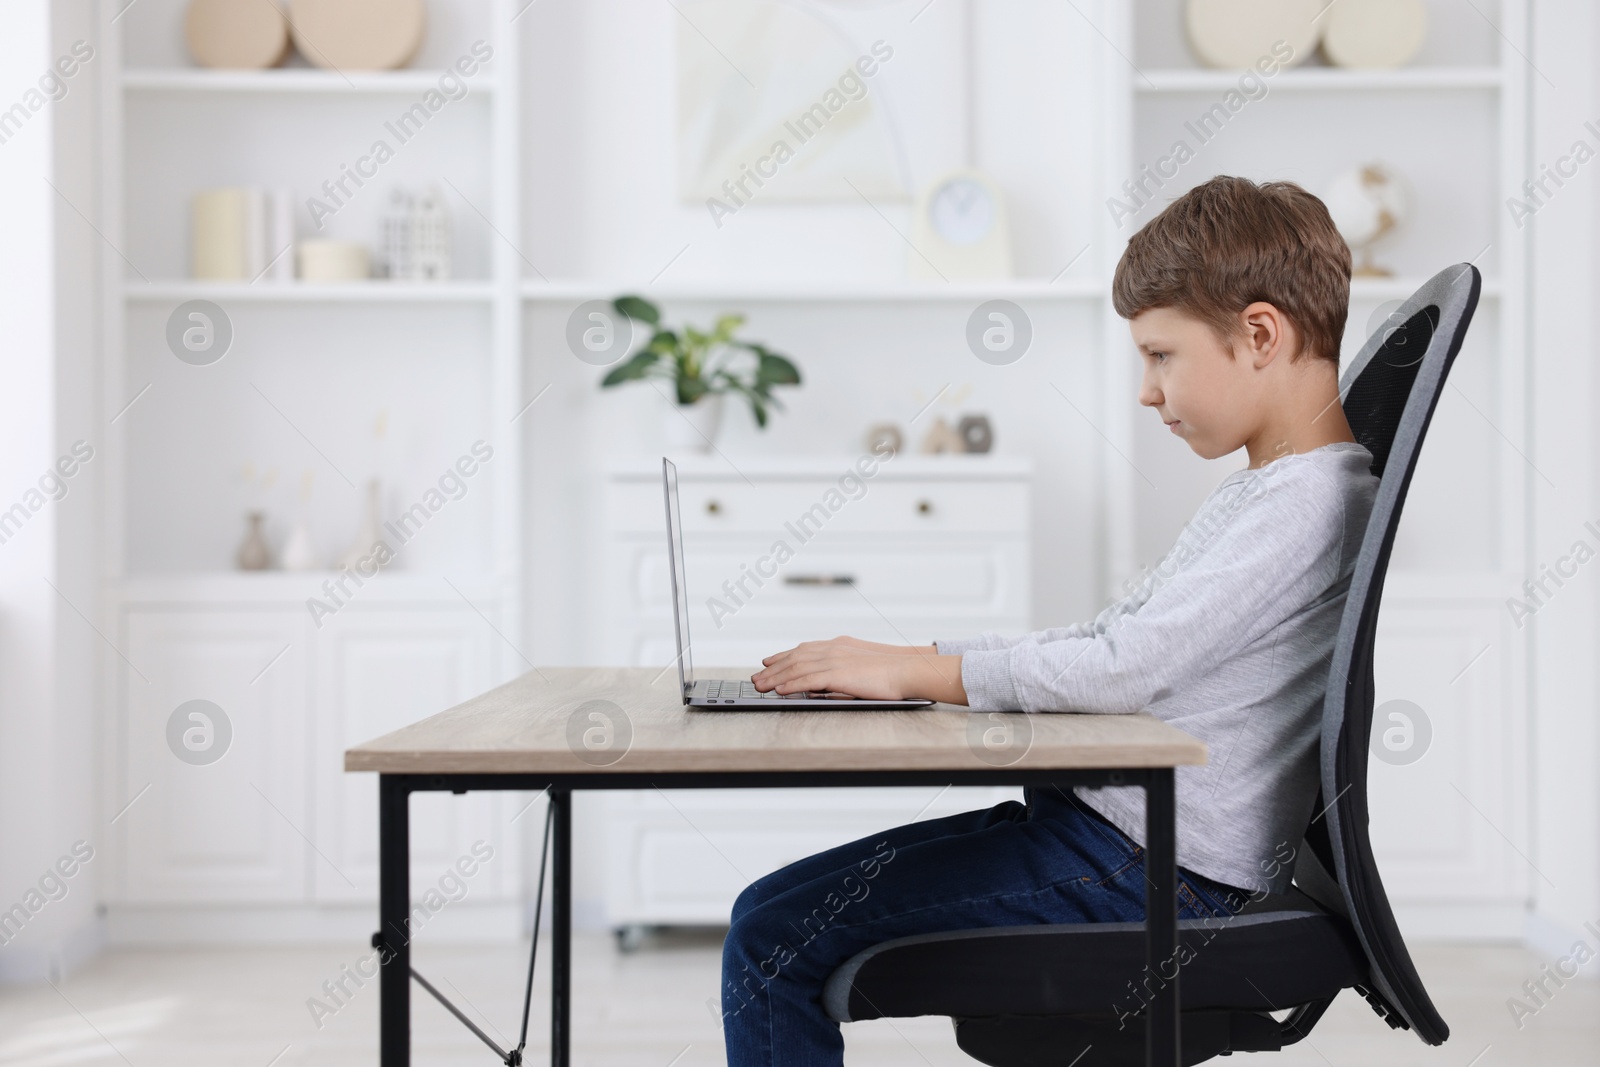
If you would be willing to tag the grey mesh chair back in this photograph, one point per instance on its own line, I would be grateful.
(1390, 390)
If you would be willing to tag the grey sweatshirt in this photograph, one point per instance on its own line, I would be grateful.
(1229, 639)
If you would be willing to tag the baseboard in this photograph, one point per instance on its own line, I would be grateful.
(1462, 921)
(1555, 939)
(466, 923)
(53, 960)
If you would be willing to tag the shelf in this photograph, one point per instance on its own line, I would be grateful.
(294, 80)
(290, 589)
(370, 292)
(821, 292)
(377, 292)
(1401, 287)
(886, 292)
(1322, 78)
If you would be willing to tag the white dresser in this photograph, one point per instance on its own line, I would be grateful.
(780, 551)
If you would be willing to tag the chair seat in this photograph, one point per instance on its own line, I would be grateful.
(1278, 953)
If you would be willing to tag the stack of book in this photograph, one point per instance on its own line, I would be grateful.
(242, 234)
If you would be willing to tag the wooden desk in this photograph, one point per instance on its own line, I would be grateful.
(566, 728)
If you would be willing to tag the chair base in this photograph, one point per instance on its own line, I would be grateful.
(1104, 1041)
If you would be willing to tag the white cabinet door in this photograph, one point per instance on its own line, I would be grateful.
(378, 670)
(1444, 774)
(190, 827)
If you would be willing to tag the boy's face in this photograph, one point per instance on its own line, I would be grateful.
(1193, 381)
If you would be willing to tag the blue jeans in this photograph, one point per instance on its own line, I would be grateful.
(1055, 861)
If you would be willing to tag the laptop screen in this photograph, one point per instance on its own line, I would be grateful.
(680, 583)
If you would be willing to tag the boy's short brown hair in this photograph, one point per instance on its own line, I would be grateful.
(1229, 242)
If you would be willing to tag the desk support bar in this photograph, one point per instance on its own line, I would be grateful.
(1161, 918)
(500, 1053)
(533, 952)
(560, 924)
(394, 902)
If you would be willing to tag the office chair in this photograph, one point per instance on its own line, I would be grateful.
(1048, 994)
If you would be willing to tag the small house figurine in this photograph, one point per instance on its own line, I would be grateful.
(430, 238)
(416, 237)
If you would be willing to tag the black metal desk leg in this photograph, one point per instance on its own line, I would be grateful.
(394, 906)
(560, 924)
(1161, 918)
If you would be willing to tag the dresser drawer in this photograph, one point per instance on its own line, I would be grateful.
(848, 577)
(801, 509)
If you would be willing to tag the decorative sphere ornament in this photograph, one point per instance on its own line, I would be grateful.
(1367, 204)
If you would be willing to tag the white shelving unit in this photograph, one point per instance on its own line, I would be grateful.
(301, 685)
(1455, 122)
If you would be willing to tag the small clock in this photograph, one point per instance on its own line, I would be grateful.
(959, 230)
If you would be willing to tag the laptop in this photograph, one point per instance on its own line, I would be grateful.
(735, 694)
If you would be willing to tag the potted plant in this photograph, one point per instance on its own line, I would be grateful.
(702, 367)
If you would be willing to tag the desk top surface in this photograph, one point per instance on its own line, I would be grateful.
(632, 719)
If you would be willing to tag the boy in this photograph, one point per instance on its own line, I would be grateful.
(1236, 297)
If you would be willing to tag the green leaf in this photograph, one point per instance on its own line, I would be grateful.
(776, 370)
(637, 307)
(636, 367)
(691, 389)
(664, 342)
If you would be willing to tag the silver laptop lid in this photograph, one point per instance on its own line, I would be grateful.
(680, 582)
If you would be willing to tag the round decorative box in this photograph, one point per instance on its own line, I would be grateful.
(358, 34)
(236, 34)
(323, 260)
(1238, 34)
(1374, 34)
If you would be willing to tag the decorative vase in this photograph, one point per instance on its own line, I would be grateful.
(299, 554)
(253, 554)
(693, 427)
(367, 536)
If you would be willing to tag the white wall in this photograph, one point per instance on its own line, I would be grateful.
(1566, 448)
(47, 568)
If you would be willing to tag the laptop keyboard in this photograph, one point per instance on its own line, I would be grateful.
(732, 690)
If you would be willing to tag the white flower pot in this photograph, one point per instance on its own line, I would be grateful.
(693, 427)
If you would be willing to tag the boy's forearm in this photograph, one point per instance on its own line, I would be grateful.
(935, 677)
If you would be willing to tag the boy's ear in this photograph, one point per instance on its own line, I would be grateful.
(1265, 333)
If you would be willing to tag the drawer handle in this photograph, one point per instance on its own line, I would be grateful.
(819, 579)
(924, 507)
(713, 508)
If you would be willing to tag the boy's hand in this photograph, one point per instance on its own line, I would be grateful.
(863, 669)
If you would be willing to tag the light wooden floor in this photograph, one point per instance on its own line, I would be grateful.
(247, 1008)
